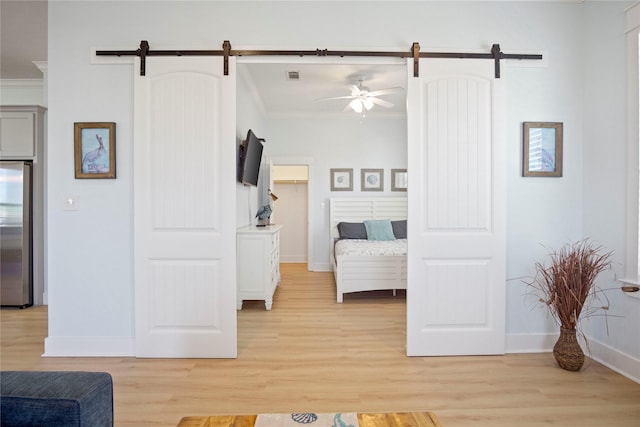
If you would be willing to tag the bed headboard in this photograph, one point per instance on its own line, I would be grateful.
(352, 209)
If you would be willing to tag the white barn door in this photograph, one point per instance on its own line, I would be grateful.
(184, 208)
(457, 209)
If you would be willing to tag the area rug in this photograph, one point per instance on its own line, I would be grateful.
(311, 419)
(404, 419)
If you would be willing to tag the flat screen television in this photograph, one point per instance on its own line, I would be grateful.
(249, 158)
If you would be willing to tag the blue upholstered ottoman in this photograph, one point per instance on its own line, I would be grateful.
(56, 399)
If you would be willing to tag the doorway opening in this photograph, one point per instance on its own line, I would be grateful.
(290, 183)
(314, 142)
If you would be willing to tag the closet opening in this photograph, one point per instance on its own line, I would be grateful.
(290, 184)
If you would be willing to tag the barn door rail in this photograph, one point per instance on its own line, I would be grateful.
(144, 51)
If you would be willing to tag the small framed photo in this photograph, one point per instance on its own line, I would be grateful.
(371, 179)
(399, 180)
(341, 179)
(542, 149)
(95, 150)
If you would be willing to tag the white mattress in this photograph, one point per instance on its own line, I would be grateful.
(371, 247)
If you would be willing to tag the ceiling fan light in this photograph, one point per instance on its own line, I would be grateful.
(368, 103)
(356, 105)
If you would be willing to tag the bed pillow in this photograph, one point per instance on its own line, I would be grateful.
(352, 230)
(399, 229)
(379, 229)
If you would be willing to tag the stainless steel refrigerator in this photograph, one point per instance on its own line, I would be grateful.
(16, 231)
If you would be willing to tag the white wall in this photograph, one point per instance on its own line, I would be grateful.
(543, 213)
(90, 262)
(90, 253)
(605, 161)
(249, 116)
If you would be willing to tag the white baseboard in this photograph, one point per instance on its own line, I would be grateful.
(610, 357)
(321, 267)
(89, 347)
(531, 343)
(620, 362)
(294, 259)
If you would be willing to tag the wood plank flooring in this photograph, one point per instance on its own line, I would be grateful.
(311, 354)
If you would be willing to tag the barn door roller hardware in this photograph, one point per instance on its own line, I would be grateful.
(143, 52)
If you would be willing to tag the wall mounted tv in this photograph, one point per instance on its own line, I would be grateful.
(249, 158)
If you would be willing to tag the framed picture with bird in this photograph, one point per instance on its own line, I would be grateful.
(95, 150)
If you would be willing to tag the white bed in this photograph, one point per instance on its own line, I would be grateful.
(367, 272)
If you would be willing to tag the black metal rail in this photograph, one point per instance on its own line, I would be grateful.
(143, 52)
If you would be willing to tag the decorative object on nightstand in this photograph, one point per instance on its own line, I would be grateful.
(264, 213)
(568, 288)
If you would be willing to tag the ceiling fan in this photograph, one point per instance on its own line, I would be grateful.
(362, 98)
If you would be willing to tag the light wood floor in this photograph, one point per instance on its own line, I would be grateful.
(311, 354)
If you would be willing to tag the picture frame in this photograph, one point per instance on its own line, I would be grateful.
(399, 180)
(542, 149)
(341, 179)
(95, 150)
(371, 179)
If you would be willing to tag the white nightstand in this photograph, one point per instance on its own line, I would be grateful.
(258, 263)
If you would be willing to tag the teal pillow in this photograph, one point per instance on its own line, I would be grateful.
(379, 229)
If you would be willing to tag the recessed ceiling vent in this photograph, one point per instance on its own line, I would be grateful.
(293, 75)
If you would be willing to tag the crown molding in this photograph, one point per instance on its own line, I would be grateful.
(42, 65)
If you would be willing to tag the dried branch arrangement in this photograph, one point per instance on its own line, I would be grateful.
(568, 283)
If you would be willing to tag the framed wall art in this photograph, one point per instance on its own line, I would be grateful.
(542, 149)
(399, 180)
(95, 150)
(371, 179)
(341, 179)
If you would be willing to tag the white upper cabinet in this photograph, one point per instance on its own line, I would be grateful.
(21, 131)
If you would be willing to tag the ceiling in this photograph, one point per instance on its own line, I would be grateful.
(23, 39)
(279, 95)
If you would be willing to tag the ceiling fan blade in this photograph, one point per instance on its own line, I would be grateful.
(355, 90)
(336, 97)
(385, 91)
(381, 102)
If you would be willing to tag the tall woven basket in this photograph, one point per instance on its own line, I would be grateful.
(567, 351)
